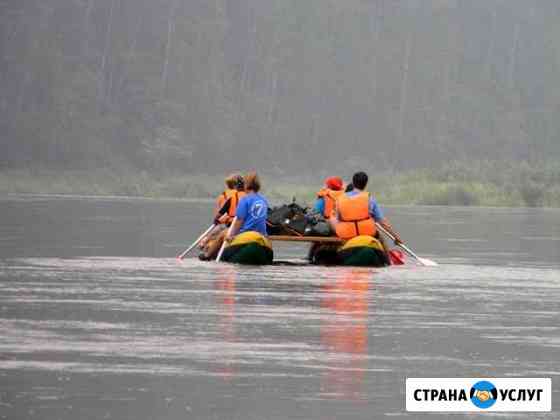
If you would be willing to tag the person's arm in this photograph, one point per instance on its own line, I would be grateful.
(389, 228)
(220, 214)
(240, 216)
(334, 219)
(234, 229)
(377, 214)
(336, 213)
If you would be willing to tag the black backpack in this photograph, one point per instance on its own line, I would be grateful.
(317, 225)
(287, 219)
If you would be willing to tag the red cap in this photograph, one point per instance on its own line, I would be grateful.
(334, 183)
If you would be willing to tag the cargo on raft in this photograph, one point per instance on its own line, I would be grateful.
(255, 249)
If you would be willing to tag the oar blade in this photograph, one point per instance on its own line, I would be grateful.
(428, 263)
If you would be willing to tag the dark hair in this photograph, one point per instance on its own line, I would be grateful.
(349, 187)
(359, 180)
(252, 182)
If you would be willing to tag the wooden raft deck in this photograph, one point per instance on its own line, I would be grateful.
(322, 239)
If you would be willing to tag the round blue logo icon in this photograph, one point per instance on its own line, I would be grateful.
(483, 394)
(258, 210)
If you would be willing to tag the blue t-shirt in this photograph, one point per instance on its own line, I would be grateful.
(374, 209)
(319, 206)
(253, 210)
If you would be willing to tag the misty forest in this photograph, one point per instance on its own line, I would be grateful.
(440, 101)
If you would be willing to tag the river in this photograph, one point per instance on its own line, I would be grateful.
(99, 320)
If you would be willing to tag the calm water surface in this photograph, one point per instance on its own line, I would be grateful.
(98, 320)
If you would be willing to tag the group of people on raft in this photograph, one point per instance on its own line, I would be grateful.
(350, 210)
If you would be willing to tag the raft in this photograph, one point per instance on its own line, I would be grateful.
(249, 248)
(363, 251)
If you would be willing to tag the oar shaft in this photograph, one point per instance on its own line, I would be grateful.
(219, 257)
(222, 210)
(206, 232)
(403, 246)
(407, 249)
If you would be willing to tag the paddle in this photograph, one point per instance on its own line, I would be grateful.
(206, 232)
(423, 261)
(195, 243)
(219, 257)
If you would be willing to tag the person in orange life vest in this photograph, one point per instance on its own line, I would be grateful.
(325, 205)
(357, 212)
(326, 197)
(226, 205)
(235, 190)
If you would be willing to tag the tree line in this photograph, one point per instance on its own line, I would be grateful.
(289, 87)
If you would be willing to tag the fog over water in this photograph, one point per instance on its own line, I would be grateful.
(292, 87)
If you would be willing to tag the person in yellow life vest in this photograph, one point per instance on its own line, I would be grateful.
(326, 197)
(226, 205)
(357, 212)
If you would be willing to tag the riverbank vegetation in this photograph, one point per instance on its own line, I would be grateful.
(480, 183)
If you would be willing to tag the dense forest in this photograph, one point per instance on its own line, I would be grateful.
(283, 86)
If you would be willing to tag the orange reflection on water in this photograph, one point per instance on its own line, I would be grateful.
(225, 300)
(345, 331)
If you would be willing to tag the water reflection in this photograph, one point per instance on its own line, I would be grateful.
(345, 331)
(224, 286)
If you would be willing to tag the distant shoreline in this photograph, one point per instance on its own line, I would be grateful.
(47, 196)
(479, 185)
(70, 196)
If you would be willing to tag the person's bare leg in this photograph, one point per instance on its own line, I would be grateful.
(214, 246)
(332, 223)
(212, 235)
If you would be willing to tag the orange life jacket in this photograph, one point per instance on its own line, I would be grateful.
(329, 197)
(353, 216)
(234, 197)
(220, 201)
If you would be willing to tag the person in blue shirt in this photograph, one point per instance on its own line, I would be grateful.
(252, 209)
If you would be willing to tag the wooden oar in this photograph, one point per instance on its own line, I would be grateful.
(423, 261)
(195, 243)
(219, 257)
